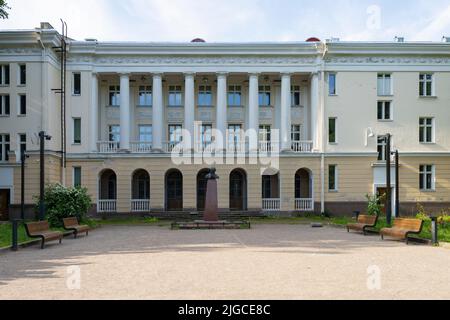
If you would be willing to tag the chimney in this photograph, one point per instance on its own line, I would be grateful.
(399, 39)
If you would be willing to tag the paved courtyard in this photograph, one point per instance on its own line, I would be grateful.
(267, 262)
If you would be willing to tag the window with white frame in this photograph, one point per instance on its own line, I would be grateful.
(76, 78)
(4, 75)
(114, 133)
(145, 133)
(332, 130)
(4, 147)
(381, 148)
(4, 105)
(145, 96)
(332, 177)
(295, 96)
(76, 130)
(332, 84)
(426, 130)
(265, 133)
(22, 74)
(384, 84)
(77, 177)
(427, 177)
(114, 96)
(205, 135)
(296, 133)
(205, 98)
(22, 110)
(426, 85)
(22, 143)
(175, 96)
(234, 135)
(234, 96)
(264, 96)
(175, 133)
(384, 111)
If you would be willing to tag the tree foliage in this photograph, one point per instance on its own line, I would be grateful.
(3, 9)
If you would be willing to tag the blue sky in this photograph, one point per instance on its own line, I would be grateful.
(237, 20)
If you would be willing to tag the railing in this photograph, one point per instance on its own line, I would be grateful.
(141, 147)
(302, 146)
(205, 147)
(267, 146)
(107, 206)
(142, 205)
(236, 146)
(271, 205)
(304, 204)
(170, 146)
(108, 146)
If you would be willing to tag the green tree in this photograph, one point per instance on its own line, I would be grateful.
(3, 7)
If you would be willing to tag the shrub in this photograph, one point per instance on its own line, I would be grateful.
(374, 207)
(63, 202)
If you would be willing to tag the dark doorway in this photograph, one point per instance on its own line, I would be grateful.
(303, 184)
(108, 185)
(174, 191)
(201, 189)
(141, 185)
(238, 190)
(4, 204)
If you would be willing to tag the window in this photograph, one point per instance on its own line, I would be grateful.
(426, 130)
(22, 74)
(114, 96)
(4, 75)
(205, 135)
(145, 133)
(76, 130)
(77, 83)
(384, 84)
(264, 96)
(114, 133)
(296, 133)
(426, 84)
(22, 144)
(295, 96)
(332, 178)
(205, 96)
(234, 135)
(381, 148)
(4, 147)
(175, 96)
(175, 133)
(145, 96)
(234, 96)
(426, 177)
(22, 105)
(332, 84)
(384, 110)
(77, 177)
(332, 137)
(265, 133)
(266, 187)
(4, 105)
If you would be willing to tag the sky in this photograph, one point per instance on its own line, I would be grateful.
(237, 20)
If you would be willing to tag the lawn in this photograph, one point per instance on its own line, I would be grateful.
(6, 235)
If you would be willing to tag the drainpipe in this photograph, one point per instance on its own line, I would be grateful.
(324, 49)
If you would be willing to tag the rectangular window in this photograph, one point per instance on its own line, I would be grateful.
(295, 96)
(22, 144)
(4, 75)
(427, 177)
(175, 96)
(264, 96)
(4, 105)
(114, 133)
(332, 178)
(426, 84)
(175, 133)
(296, 133)
(332, 84)
(234, 136)
(426, 130)
(145, 133)
(332, 137)
(266, 187)
(265, 133)
(22, 105)
(205, 135)
(145, 96)
(77, 177)
(114, 96)
(77, 84)
(384, 84)
(22, 74)
(381, 148)
(384, 111)
(4, 147)
(205, 96)
(234, 96)
(76, 130)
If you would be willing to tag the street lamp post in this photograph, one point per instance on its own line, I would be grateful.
(42, 138)
(388, 179)
(397, 184)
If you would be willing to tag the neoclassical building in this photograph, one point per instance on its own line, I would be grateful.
(290, 126)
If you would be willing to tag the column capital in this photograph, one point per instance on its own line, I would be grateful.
(286, 74)
(189, 74)
(254, 74)
(222, 74)
(124, 74)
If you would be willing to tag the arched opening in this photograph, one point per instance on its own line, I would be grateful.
(238, 190)
(304, 190)
(271, 200)
(201, 189)
(107, 191)
(140, 191)
(174, 190)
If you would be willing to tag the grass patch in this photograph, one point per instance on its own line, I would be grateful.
(6, 234)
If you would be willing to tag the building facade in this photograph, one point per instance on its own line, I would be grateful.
(290, 127)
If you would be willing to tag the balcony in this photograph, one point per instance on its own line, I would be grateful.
(271, 205)
(108, 146)
(141, 147)
(140, 205)
(107, 206)
(302, 146)
(304, 205)
(206, 146)
(268, 146)
(170, 146)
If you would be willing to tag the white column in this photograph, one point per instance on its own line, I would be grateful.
(124, 112)
(221, 112)
(158, 112)
(315, 127)
(189, 109)
(285, 130)
(253, 105)
(94, 113)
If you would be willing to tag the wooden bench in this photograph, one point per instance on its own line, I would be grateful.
(364, 222)
(402, 229)
(72, 224)
(42, 230)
